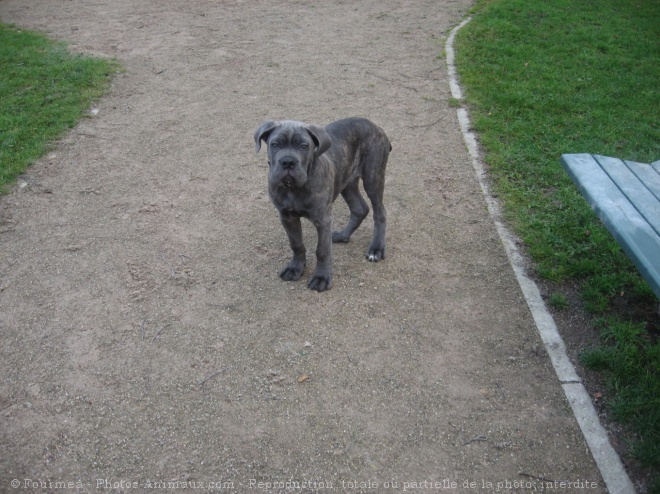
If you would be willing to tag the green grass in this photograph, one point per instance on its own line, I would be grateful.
(44, 90)
(632, 365)
(572, 76)
(558, 301)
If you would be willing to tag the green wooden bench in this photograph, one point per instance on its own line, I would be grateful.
(626, 197)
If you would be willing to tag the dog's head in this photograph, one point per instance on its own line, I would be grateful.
(292, 149)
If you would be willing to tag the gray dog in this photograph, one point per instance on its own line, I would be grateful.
(309, 166)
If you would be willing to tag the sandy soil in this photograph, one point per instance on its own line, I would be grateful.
(147, 339)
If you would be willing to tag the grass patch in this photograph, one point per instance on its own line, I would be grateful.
(631, 363)
(558, 301)
(454, 103)
(44, 90)
(546, 78)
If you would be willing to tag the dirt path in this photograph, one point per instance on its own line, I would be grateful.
(146, 334)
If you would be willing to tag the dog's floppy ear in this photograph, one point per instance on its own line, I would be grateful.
(263, 132)
(321, 138)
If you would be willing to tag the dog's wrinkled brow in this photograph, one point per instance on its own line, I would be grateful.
(291, 124)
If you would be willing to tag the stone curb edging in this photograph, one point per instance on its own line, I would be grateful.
(608, 461)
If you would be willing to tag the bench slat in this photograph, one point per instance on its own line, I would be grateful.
(635, 190)
(656, 166)
(637, 238)
(648, 175)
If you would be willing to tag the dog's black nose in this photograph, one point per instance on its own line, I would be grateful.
(287, 163)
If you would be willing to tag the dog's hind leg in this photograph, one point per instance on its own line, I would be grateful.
(374, 186)
(359, 211)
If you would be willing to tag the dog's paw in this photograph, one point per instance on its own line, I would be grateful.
(320, 283)
(340, 237)
(375, 254)
(292, 272)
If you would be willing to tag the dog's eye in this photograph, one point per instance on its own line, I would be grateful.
(304, 145)
(274, 144)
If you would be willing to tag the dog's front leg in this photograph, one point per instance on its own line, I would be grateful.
(294, 270)
(322, 278)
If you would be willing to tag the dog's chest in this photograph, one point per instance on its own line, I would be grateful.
(288, 201)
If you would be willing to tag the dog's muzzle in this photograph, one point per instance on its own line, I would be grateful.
(289, 172)
(288, 163)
